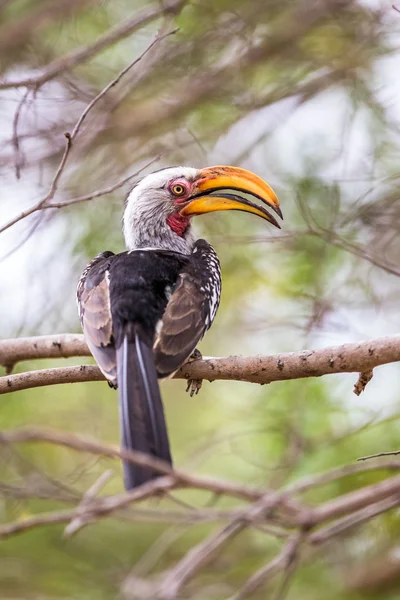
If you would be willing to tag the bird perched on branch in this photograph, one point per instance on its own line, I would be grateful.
(143, 311)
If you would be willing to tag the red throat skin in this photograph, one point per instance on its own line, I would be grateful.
(178, 223)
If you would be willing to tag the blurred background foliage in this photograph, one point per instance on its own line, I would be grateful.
(304, 93)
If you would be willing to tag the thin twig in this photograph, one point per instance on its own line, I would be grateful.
(177, 478)
(94, 512)
(116, 80)
(200, 555)
(78, 522)
(311, 481)
(392, 453)
(353, 501)
(15, 136)
(289, 571)
(39, 520)
(263, 575)
(70, 137)
(81, 55)
(104, 191)
(356, 518)
(50, 193)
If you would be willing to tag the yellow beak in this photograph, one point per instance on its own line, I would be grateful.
(215, 179)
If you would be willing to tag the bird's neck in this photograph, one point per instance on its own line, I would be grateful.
(172, 232)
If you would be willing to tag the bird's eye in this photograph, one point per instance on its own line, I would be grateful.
(178, 189)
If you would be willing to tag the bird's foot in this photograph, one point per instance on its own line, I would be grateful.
(196, 355)
(194, 385)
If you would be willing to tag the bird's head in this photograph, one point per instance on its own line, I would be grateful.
(160, 207)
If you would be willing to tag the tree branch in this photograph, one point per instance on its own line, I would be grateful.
(355, 518)
(200, 555)
(70, 137)
(354, 501)
(277, 564)
(347, 511)
(62, 345)
(390, 453)
(18, 31)
(175, 478)
(339, 472)
(32, 379)
(104, 191)
(81, 55)
(348, 358)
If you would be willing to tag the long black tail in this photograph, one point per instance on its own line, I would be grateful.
(142, 418)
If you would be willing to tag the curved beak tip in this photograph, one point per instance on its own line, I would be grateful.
(216, 179)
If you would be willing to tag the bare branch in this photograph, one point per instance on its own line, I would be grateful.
(17, 32)
(392, 453)
(263, 575)
(323, 478)
(201, 554)
(354, 501)
(78, 522)
(50, 194)
(70, 137)
(358, 517)
(51, 518)
(75, 514)
(177, 478)
(90, 511)
(104, 191)
(81, 55)
(348, 358)
(117, 79)
(346, 511)
(331, 237)
(63, 345)
(23, 381)
(15, 137)
(194, 560)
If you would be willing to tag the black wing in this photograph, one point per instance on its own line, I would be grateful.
(127, 300)
(121, 298)
(93, 297)
(190, 310)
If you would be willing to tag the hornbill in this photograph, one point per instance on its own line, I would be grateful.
(143, 311)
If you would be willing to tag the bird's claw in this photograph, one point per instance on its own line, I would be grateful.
(196, 355)
(194, 386)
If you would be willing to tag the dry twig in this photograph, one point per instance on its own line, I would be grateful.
(356, 518)
(177, 478)
(104, 191)
(323, 478)
(78, 522)
(392, 453)
(277, 564)
(200, 555)
(81, 55)
(344, 512)
(70, 137)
